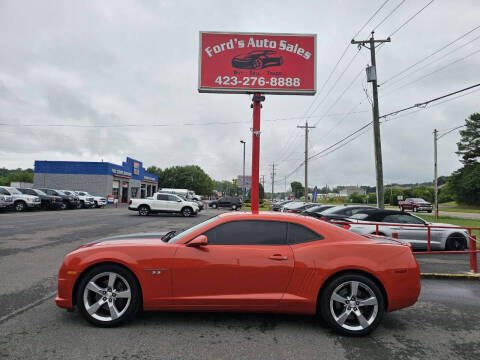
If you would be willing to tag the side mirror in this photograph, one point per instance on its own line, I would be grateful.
(200, 240)
(179, 200)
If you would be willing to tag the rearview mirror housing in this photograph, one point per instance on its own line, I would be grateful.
(200, 240)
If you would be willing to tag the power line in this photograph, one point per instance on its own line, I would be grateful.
(425, 103)
(389, 14)
(429, 56)
(436, 60)
(448, 132)
(411, 18)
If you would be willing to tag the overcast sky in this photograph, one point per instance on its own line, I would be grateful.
(135, 62)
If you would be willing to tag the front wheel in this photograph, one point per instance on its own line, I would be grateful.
(20, 206)
(234, 207)
(108, 295)
(415, 209)
(214, 206)
(187, 212)
(352, 304)
(63, 206)
(401, 208)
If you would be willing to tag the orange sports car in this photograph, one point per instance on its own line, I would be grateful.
(267, 262)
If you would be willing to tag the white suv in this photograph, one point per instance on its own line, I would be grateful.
(21, 201)
(163, 203)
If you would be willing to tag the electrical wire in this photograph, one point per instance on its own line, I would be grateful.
(410, 18)
(389, 14)
(448, 132)
(425, 103)
(430, 55)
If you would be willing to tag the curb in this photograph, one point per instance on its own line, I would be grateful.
(469, 276)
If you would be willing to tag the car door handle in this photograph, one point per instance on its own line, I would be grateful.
(278, 257)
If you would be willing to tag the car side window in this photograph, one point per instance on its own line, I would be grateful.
(248, 232)
(172, 198)
(298, 234)
(393, 218)
(4, 192)
(30, 192)
(162, 197)
(409, 219)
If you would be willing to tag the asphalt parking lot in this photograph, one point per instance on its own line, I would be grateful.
(444, 324)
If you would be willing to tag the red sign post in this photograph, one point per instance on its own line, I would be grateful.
(257, 63)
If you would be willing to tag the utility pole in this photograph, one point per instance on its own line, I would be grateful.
(372, 77)
(273, 178)
(306, 127)
(435, 171)
(244, 188)
(285, 194)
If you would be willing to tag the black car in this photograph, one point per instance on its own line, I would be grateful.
(47, 201)
(339, 213)
(68, 201)
(257, 60)
(231, 202)
(316, 211)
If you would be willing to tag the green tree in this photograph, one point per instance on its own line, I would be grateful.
(190, 177)
(465, 184)
(357, 198)
(297, 189)
(469, 144)
(18, 175)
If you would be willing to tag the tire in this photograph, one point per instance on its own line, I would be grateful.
(456, 242)
(64, 206)
(234, 207)
(108, 295)
(20, 206)
(81, 205)
(415, 209)
(401, 208)
(352, 318)
(214, 206)
(186, 211)
(143, 210)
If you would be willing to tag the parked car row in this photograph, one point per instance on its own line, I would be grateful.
(23, 199)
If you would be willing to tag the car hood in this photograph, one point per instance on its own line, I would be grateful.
(138, 239)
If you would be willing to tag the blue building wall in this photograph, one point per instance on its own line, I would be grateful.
(93, 168)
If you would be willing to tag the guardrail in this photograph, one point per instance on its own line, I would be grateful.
(472, 239)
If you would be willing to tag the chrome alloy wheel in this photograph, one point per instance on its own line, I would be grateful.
(107, 296)
(353, 305)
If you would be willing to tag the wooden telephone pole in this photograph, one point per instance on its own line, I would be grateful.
(372, 77)
(306, 127)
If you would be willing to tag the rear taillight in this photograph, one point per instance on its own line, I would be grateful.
(323, 218)
(346, 226)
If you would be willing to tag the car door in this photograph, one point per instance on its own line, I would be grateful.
(415, 235)
(174, 203)
(161, 203)
(246, 264)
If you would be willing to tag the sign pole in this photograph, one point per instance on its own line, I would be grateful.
(257, 99)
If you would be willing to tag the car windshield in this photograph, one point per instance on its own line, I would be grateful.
(419, 200)
(59, 192)
(14, 191)
(333, 210)
(192, 229)
(317, 208)
(40, 192)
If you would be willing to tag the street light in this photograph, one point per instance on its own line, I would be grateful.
(243, 181)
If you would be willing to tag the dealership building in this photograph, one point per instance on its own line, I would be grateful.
(126, 181)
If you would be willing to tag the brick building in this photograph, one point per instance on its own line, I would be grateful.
(129, 180)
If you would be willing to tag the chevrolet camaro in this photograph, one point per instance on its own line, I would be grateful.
(258, 59)
(267, 262)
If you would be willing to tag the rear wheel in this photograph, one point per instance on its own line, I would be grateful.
(352, 304)
(143, 210)
(456, 242)
(108, 295)
(234, 207)
(401, 208)
(214, 206)
(415, 209)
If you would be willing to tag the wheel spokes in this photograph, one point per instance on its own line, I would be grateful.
(123, 294)
(338, 298)
(361, 319)
(111, 280)
(343, 317)
(95, 288)
(368, 302)
(94, 308)
(113, 310)
(353, 288)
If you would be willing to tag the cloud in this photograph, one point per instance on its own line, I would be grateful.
(135, 63)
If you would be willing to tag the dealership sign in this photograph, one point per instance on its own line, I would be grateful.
(257, 63)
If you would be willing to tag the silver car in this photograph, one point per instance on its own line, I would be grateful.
(390, 223)
(6, 199)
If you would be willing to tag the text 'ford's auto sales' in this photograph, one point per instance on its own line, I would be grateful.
(266, 63)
